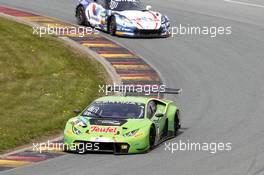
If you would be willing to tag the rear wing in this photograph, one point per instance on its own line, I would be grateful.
(146, 90)
(173, 91)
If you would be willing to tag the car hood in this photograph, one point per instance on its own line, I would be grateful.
(117, 123)
(99, 126)
(145, 20)
(105, 130)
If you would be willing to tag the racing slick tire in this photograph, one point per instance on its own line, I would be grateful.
(177, 124)
(80, 16)
(165, 131)
(112, 26)
(152, 137)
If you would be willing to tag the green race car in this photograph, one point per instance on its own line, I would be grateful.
(122, 125)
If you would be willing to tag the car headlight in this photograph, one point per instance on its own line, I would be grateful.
(131, 133)
(76, 131)
(79, 123)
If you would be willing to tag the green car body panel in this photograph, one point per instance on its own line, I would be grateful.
(128, 136)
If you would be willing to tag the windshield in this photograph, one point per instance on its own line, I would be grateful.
(122, 110)
(121, 5)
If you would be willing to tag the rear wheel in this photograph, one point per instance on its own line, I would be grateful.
(177, 124)
(152, 137)
(112, 26)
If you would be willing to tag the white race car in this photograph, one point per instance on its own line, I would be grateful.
(128, 18)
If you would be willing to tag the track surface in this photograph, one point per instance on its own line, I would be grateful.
(223, 82)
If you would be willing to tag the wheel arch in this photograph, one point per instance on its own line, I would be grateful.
(171, 112)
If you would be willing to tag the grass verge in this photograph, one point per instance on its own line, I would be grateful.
(41, 81)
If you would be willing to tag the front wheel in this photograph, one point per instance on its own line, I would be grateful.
(152, 137)
(177, 124)
(165, 130)
(112, 26)
(80, 16)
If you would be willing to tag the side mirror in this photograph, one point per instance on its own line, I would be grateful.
(148, 7)
(159, 115)
(77, 111)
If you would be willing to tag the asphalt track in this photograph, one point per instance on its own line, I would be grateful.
(223, 83)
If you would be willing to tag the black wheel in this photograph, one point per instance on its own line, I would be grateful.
(177, 124)
(112, 26)
(80, 16)
(65, 148)
(152, 137)
(165, 130)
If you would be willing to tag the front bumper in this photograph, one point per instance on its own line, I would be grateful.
(145, 34)
(111, 147)
(119, 145)
(129, 32)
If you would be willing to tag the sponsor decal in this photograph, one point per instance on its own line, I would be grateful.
(95, 18)
(101, 139)
(104, 130)
(113, 4)
(95, 10)
(126, 29)
(145, 19)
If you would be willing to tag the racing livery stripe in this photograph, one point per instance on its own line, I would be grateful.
(119, 33)
(131, 68)
(140, 25)
(154, 19)
(154, 16)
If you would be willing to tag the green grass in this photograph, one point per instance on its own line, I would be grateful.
(41, 81)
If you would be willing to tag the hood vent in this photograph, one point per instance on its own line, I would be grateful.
(108, 122)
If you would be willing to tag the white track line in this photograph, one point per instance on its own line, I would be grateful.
(245, 3)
